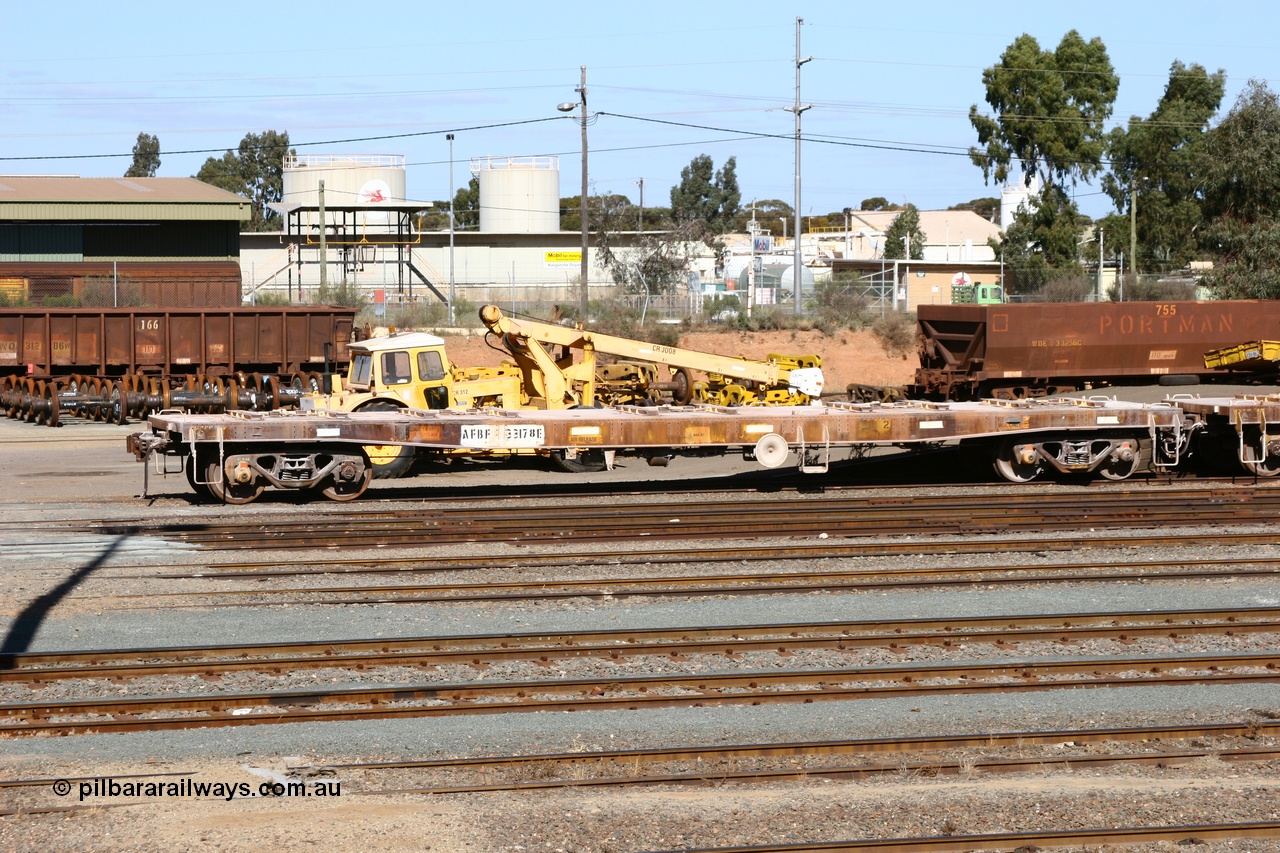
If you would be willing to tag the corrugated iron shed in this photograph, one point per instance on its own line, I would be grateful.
(73, 199)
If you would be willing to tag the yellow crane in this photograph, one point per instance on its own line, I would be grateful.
(412, 370)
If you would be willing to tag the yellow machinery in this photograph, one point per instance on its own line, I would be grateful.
(557, 381)
(412, 370)
(1258, 356)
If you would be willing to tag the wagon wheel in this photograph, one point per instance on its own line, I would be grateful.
(250, 383)
(222, 489)
(348, 491)
(91, 390)
(117, 412)
(8, 396)
(682, 395)
(29, 390)
(154, 399)
(133, 383)
(37, 413)
(1119, 470)
(1011, 464)
(267, 397)
(1266, 467)
(50, 404)
(231, 396)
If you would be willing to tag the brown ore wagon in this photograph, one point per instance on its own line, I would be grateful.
(56, 342)
(969, 352)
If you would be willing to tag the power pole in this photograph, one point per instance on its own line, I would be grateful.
(452, 294)
(324, 246)
(640, 217)
(1133, 228)
(585, 295)
(796, 279)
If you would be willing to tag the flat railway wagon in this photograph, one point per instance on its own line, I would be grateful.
(234, 457)
(971, 352)
(115, 363)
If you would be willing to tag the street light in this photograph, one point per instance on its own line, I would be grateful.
(568, 107)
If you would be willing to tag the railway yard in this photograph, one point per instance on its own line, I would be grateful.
(493, 657)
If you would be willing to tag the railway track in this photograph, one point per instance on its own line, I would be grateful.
(1014, 841)
(544, 648)
(696, 585)
(840, 516)
(674, 689)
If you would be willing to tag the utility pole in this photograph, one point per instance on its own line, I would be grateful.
(324, 246)
(1133, 227)
(452, 293)
(1100, 235)
(640, 217)
(797, 279)
(751, 270)
(584, 297)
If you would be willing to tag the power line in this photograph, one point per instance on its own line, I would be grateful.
(296, 144)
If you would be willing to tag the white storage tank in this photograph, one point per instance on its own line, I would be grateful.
(350, 180)
(518, 195)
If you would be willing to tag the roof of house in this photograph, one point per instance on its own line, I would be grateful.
(939, 226)
(52, 198)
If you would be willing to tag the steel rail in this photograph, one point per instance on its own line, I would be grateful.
(370, 564)
(790, 749)
(932, 502)
(666, 690)
(854, 772)
(691, 586)
(1013, 841)
(542, 647)
(722, 519)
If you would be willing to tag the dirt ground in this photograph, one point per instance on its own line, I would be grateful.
(847, 356)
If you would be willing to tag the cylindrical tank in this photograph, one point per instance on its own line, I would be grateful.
(350, 180)
(518, 195)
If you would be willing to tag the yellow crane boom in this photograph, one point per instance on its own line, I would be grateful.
(563, 382)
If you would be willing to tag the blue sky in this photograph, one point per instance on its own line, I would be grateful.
(83, 78)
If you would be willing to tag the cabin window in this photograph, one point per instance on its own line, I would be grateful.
(430, 365)
(395, 368)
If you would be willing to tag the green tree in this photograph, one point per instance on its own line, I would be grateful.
(771, 214)
(905, 229)
(1042, 243)
(1050, 107)
(651, 263)
(1155, 160)
(466, 206)
(146, 157)
(706, 195)
(878, 203)
(1240, 169)
(988, 208)
(255, 171)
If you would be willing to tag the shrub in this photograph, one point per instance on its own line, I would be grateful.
(840, 303)
(897, 331)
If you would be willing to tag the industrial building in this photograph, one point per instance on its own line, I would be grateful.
(171, 242)
(373, 238)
